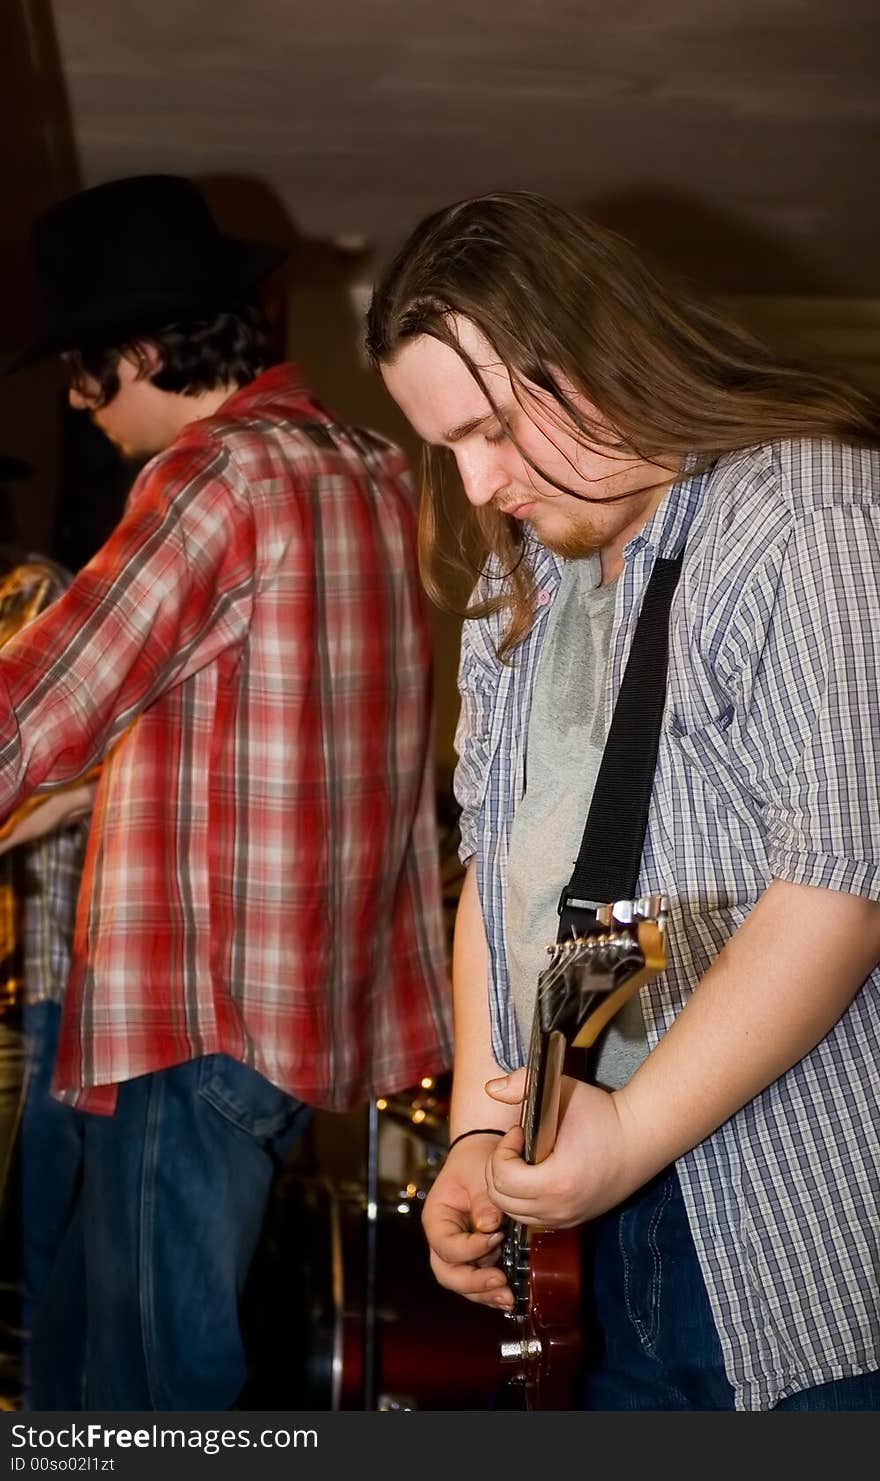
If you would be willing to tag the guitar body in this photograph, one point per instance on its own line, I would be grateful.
(546, 1352)
(555, 1313)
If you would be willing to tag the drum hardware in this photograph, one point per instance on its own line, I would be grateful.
(422, 1106)
(379, 1333)
(370, 1257)
(423, 1110)
(430, 1349)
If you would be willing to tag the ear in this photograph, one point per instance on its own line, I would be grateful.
(145, 356)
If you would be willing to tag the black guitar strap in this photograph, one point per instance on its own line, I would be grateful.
(607, 866)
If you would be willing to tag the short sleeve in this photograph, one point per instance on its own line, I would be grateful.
(817, 701)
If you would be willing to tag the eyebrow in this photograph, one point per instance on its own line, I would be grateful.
(466, 428)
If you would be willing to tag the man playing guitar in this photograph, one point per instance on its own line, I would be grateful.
(728, 1157)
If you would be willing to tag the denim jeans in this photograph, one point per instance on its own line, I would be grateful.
(51, 1160)
(650, 1319)
(140, 1309)
(11, 1082)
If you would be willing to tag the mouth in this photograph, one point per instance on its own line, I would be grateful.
(518, 511)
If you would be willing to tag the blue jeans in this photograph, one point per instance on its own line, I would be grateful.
(51, 1160)
(140, 1309)
(650, 1317)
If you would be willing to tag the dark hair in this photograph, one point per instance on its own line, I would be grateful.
(226, 348)
(563, 300)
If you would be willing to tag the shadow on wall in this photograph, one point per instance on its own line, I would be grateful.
(714, 249)
(316, 299)
(781, 290)
(38, 166)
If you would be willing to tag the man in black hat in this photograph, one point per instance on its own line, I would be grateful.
(259, 928)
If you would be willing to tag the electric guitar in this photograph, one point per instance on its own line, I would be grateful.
(588, 979)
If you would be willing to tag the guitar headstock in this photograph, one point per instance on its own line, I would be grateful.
(590, 976)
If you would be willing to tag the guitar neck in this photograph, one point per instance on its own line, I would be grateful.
(588, 980)
(540, 1111)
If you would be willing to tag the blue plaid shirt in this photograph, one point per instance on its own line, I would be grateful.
(767, 769)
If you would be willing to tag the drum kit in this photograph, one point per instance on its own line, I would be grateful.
(374, 1329)
(379, 1333)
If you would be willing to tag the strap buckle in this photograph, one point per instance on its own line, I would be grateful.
(577, 917)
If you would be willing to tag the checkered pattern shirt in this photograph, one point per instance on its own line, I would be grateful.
(250, 653)
(48, 874)
(767, 769)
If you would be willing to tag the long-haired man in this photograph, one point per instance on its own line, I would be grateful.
(727, 1153)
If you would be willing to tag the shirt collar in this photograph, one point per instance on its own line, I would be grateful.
(546, 567)
(286, 378)
(665, 533)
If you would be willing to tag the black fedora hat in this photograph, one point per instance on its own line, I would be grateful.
(132, 255)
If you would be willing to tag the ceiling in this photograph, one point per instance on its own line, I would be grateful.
(739, 137)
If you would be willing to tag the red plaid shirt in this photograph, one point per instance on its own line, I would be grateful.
(250, 653)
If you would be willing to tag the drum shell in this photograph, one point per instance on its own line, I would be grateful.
(433, 1349)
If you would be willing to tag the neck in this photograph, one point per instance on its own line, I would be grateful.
(612, 553)
(188, 409)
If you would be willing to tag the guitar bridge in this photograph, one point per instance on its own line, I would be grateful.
(515, 1264)
(525, 1348)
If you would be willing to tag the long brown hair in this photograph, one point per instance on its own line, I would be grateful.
(564, 301)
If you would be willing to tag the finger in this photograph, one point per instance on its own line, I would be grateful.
(499, 1300)
(508, 1176)
(457, 1245)
(486, 1216)
(483, 1284)
(521, 1191)
(541, 1211)
(508, 1088)
(544, 1225)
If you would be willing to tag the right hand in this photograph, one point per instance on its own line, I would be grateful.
(463, 1226)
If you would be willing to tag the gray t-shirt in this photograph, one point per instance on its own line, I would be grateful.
(564, 749)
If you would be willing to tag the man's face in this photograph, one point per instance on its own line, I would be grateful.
(134, 419)
(447, 408)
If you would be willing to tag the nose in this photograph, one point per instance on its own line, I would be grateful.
(482, 473)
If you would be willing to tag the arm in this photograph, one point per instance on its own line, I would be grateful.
(46, 814)
(461, 1223)
(777, 988)
(169, 591)
(474, 1061)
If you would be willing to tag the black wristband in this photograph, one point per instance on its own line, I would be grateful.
(477, 1131)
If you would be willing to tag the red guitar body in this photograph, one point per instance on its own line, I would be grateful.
(543, 1350)
(555, 1307)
